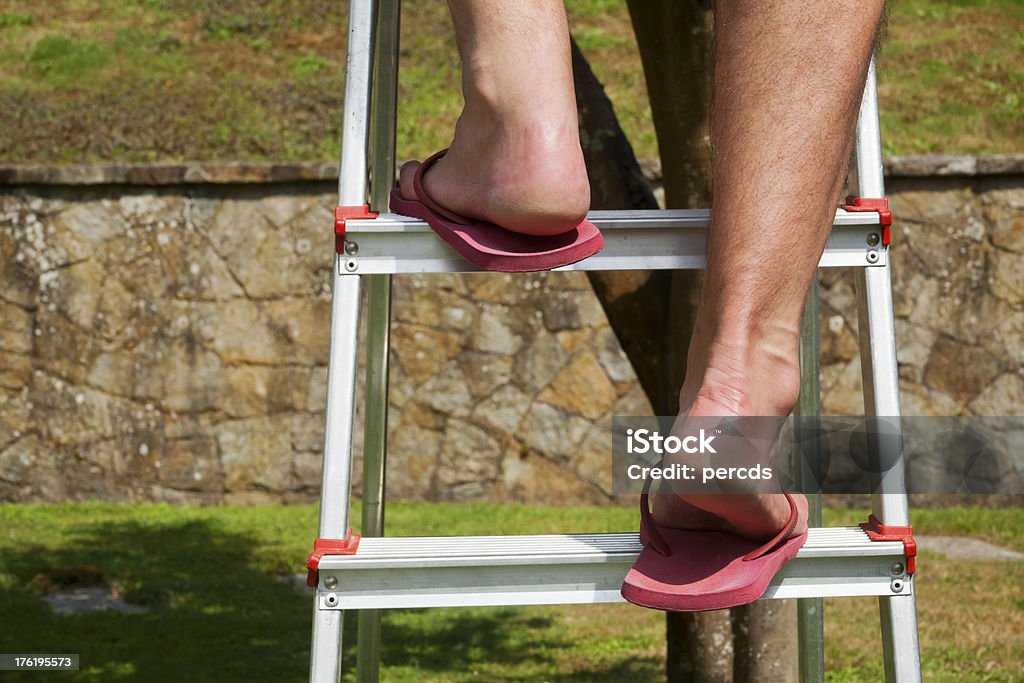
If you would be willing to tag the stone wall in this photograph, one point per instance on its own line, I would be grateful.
(164, 334)
(958, 290)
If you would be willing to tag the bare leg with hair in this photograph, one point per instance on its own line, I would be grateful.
(515, 159)
(788, 80)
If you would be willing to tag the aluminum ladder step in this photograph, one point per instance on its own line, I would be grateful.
(463, 571)
(634, 240)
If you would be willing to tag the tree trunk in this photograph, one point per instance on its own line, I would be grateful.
(635, 301)
(674, 37)
(675, 46)
(764, 638)
(641, 308)
(653, 313)
(700, 648)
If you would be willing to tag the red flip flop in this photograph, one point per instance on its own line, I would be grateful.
(694, 571)
(492, 247)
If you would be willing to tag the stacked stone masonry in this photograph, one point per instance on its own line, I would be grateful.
(164, 336)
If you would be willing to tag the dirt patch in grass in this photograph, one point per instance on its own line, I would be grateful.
(62, 578)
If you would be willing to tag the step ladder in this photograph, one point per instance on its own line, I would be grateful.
(874, 559)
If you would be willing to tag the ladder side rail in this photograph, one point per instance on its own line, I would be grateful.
(325, 648)
(355, 125)
(325, 657)
(341, 368)
(810, 611)
(900, 646)
(385, 86)
(383, 116)
(374, 457)
(876, 322)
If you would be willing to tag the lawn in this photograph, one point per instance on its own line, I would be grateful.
(162, 80)
(219, 612)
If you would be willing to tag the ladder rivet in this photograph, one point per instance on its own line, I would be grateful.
(331, 599)
(351, 265)
(872, 256)
(896, 568)
(351, 248)
(330, 582)
(873, 239)
(896, 586)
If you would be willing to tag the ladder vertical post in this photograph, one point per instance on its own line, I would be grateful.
(901, 650)
(810, 611)
(383, 114)
(352, 170)
(325, 649)
(374, 457)
(325, 657)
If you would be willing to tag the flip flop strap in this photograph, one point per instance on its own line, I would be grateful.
(426, 199)
(780, 537)
(654, 537)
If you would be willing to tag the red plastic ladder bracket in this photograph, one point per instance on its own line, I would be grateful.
(346, 213)
(881, 206)
(877, 531)
(329, 546)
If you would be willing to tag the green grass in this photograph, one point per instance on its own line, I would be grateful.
(951, 76)
(148, 80)
(219, 612)
(64, 61)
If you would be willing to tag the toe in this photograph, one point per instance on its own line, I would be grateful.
(405, 177)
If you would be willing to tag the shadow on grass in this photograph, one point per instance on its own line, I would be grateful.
(442, 640)
(216, 615)
(213, 616)
(419, 643)
(495, 644)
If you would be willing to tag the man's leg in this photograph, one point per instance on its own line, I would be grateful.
(515, 159)
(787, 86)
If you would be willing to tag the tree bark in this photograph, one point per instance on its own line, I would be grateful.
(764, 641)
(635, 301)
(699, 647)
(674, 38)
(675, 43)
(653, 313)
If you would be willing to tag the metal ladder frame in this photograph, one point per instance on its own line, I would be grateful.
(370, 111)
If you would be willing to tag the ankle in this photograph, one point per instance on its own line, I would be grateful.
(492, 95)
(747, 377)
(531, 166)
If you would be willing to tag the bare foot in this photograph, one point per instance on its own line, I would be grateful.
(671, 510)
(524, 172)
(515, 159)
(755, 517)
(726, 388)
